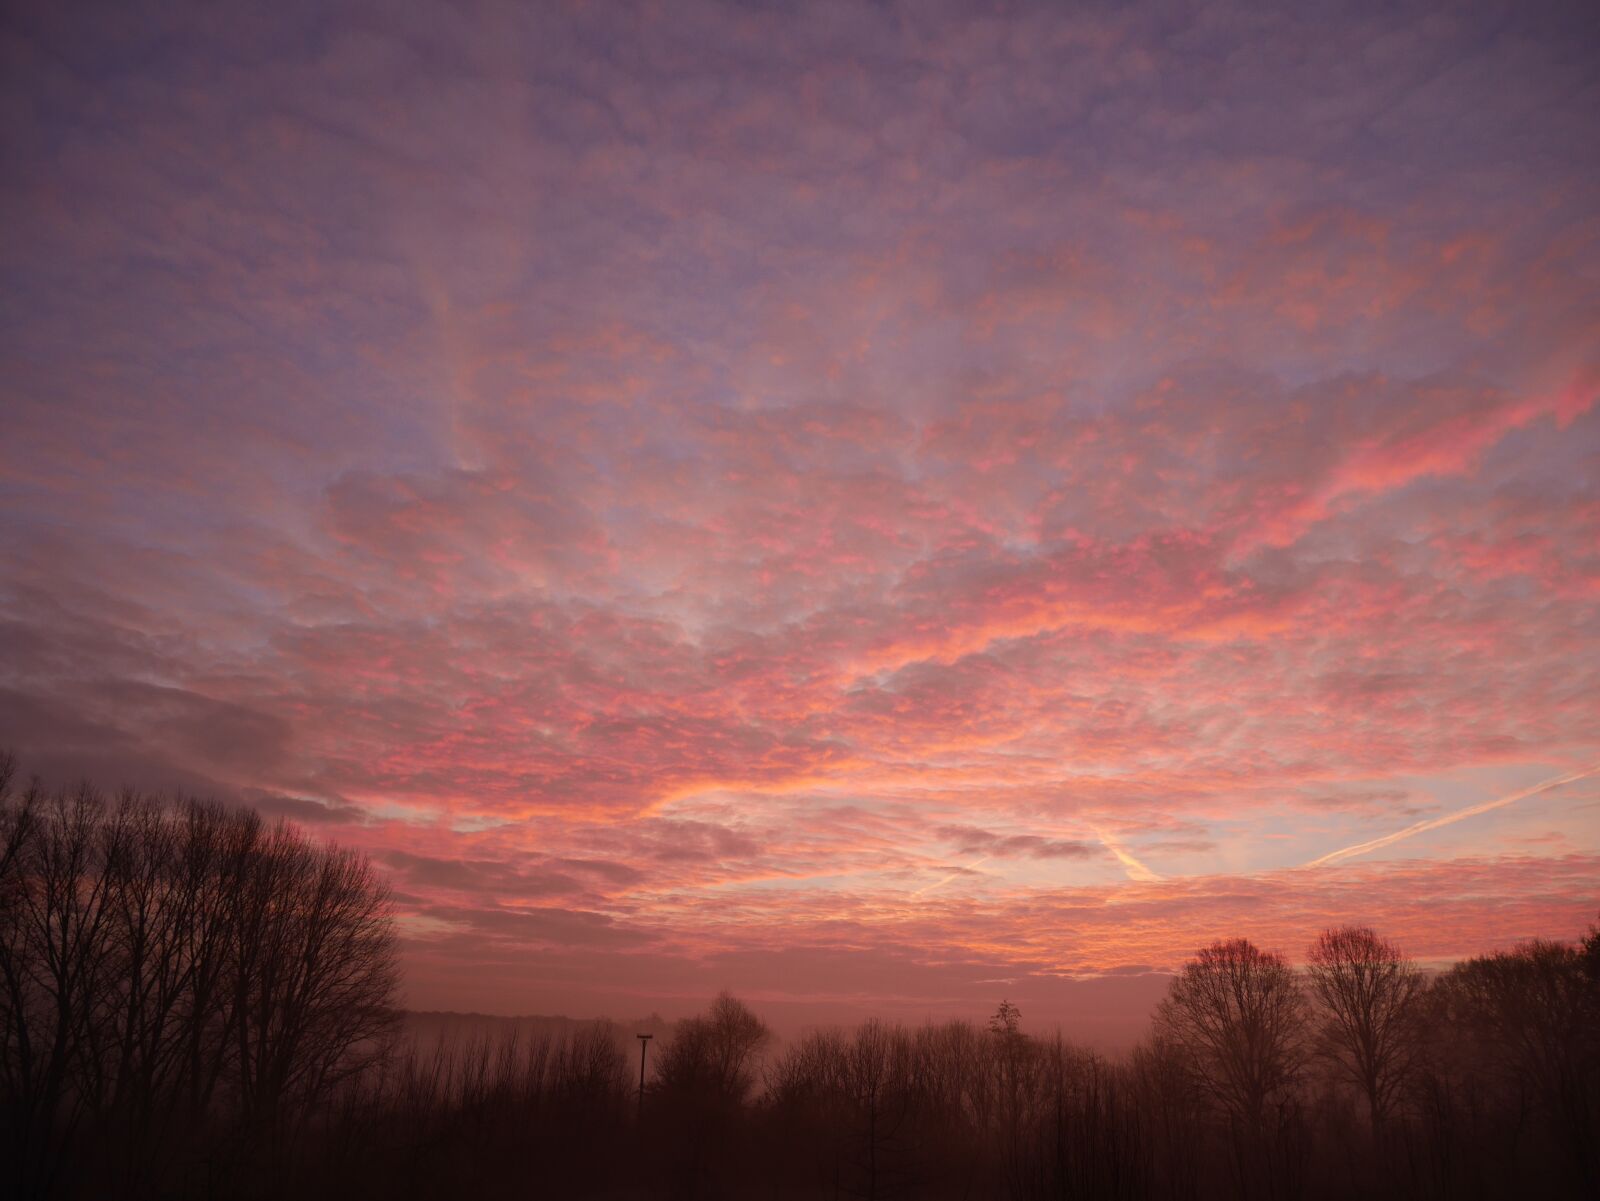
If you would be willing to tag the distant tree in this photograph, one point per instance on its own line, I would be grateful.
(1531, 1019)
(716, 1055)
(703, 1077)
(881, 1095)
(1006, 1021)
(1016, 1067)
(1171, 1109)
(1238, 1014)
(804, 1087)
(1368, 993)
(1081, 1136)
(955, 1057)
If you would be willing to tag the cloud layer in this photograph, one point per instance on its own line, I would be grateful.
(862, 504)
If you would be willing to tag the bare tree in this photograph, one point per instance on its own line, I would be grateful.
(878, 1095)
(703, 1077)
(314, 975)
(1080, 1136)
(1530, 1017)
(1170, 1108)
(1238, 1013)
(19, 1054)
(716, 1055)
(69, 962)
(1368, 992)
(170, 971)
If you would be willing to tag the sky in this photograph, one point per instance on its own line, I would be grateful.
(878, 507)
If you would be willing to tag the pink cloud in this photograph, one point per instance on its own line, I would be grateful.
(796, 458)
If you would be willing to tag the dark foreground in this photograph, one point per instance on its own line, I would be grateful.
(196, 1005)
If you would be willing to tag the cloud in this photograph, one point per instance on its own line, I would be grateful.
(780, 462)
(301, 810)
(1032, 846)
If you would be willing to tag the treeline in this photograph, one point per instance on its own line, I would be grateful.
(194, 1004)
(1356, 1077)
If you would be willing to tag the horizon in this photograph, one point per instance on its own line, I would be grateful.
(876, 508)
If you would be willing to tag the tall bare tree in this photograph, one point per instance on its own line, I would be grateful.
(1368, 992)
(168, 972)
(1239, 1015)
(314, 976)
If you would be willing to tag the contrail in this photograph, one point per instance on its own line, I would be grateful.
(1361, 848)
(951, 876)
(1135, 869)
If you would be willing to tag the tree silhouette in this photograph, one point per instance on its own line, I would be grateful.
(703, 1077)
(1530, 1019)
(713, 1056)
(175, 978)
(1006, 1020)
(1368, 993)
(1238, 1013)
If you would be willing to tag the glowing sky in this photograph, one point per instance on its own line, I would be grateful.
(874, 506)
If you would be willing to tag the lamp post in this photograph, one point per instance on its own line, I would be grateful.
(644, 1045)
